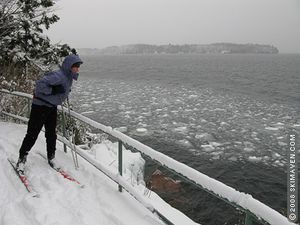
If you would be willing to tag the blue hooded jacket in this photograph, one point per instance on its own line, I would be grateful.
(64, 76)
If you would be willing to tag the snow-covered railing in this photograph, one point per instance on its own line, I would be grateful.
(254, 209)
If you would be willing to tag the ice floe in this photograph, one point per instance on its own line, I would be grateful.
(248, 127)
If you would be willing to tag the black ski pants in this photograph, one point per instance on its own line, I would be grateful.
(39, 116)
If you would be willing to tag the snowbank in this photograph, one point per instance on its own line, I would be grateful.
(63, 202)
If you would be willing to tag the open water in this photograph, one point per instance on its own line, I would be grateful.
(227, 116)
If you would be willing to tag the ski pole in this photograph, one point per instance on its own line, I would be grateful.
(64, 128)
(73, 154)
(73, 137)
(70, 140)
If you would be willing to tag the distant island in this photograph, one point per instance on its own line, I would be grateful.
(216, 48)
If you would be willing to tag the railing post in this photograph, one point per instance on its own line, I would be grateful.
(64, 129)
(248, 219)
(120, 160)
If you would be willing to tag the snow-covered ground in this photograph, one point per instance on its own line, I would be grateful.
(62, 202)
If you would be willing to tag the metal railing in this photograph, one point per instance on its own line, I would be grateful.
(254, 210)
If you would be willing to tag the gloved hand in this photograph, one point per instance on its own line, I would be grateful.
(58, 89)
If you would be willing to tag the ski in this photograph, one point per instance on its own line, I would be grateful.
(24, 179)
(62, 172)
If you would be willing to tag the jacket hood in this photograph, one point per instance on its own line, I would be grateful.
(67, 64)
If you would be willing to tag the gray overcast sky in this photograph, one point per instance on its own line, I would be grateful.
(102, 23)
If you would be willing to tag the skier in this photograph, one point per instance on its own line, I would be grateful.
(51, 90)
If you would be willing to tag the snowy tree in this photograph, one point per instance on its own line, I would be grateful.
(21, 31)
(24, 49)
(23, 46)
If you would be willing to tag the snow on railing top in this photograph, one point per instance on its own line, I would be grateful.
(17, 93)
(246, 201)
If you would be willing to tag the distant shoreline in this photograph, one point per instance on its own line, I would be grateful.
(216, 48)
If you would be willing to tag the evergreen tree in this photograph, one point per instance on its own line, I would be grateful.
(21, 31)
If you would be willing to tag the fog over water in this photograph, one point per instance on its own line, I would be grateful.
(101, 23)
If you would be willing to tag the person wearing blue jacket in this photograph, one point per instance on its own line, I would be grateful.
(51, 90)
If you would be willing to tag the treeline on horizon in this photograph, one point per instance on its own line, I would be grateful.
(216, 48)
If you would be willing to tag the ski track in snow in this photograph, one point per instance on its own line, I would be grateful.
(199, 120)
(62, 202)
